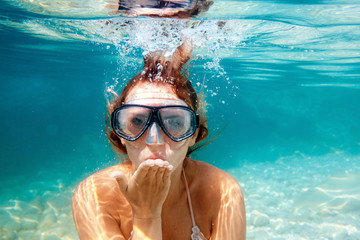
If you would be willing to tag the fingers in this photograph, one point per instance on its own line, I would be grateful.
(143, 168)
(163, 166)
(120, 179)
(153, 169)
(160, 174)
(164, 170)
(149, 166)
(156, 171)
(167, 172)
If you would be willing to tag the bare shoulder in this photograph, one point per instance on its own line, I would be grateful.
(214, 185)
(219, 200)
(100, 185)
(216, 177)
(98, 206)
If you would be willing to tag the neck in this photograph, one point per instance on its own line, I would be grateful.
(177, 188)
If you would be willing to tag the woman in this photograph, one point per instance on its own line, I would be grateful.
(159, 192)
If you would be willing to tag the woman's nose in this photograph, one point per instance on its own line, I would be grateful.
(154, 135)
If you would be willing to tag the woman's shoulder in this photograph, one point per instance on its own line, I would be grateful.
(211, 174)
(98, 202)
(124, 167)
(212, 189)
(101, 183)
(210, 180)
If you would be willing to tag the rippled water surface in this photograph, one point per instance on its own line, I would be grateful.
(282, 80)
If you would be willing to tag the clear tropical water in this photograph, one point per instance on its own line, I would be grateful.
(282, 80)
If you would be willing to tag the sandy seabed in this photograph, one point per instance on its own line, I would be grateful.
(297, 197)
(302, 197)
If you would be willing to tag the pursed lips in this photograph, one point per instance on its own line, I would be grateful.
(155, 157)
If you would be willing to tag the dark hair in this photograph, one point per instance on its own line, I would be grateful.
(160, 69)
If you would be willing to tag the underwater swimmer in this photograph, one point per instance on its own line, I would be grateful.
(159, 192)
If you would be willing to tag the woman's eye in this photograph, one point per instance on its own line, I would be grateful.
(138, 121)
(174, 122)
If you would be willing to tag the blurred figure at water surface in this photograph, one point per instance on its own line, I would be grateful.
(159, 191)
(160, 8)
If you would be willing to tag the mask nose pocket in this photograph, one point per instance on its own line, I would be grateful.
(154, 135)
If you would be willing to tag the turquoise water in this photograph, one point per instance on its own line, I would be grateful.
(282, 84)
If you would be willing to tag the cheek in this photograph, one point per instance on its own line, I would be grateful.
(134, 153)
(178, 145)
(133, 150)
(178, 149)
(132, 145)
(139, 144)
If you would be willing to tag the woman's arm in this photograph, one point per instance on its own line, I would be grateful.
(146, 191)
(102, 199)
(230, 223)
(92, 217)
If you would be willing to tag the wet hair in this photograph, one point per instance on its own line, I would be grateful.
(160, 69)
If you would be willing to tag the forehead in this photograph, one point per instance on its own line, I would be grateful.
(153, 94)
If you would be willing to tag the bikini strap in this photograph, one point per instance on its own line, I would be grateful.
(189, 200)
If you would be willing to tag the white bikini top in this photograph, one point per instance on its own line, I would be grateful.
(196, 234)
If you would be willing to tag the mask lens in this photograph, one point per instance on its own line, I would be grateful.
(178, 121)
(129, 122)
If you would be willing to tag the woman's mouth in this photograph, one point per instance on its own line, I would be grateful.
(155, 158)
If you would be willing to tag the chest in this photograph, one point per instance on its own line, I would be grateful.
(176, 221)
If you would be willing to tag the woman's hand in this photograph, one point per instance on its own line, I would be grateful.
(147, 188)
